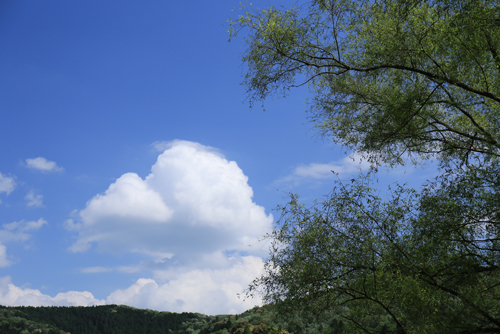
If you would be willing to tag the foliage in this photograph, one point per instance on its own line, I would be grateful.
(115, 319)
(14, 322)
(109, 319)
(423, 262)
(390, 79)
(388, 76)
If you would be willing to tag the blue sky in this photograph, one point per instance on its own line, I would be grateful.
(131, 169)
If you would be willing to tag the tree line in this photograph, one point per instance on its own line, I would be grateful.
(122, 319)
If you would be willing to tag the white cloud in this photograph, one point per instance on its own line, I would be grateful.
(11, 295)
(76, 298)
(208, 291)
(320, 171)
(43, 164)
(20, 231)
(120, 269)
(7, 184)
(4, 262)
(193, 202)
(162, 146)
(16, 232)
(129, 198)
(34, 200)
(23, 226)
(192, 217)
(94, 270)
(159, 257)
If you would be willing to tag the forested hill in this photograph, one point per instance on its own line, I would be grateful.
(114, 319)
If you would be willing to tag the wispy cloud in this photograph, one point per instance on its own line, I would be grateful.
(20, 231)
(16, 232)
(120, 269)
(43, 164)
(320, 171)
(35, 201)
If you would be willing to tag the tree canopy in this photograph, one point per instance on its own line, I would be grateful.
(389, 77)
(392, 80)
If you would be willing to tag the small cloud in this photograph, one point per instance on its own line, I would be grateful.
(7, 184)
(4, 262)
(20, 231)
(320, 171)
(316, 171)
(34, 200)
(16, 231)
(120, 269)
(43, 165)
(94, 270)
(25, 226)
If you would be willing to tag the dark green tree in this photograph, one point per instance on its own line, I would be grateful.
(396, 81)
(247, 330)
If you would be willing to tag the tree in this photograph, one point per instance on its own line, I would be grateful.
(388, 77)
(394, 80)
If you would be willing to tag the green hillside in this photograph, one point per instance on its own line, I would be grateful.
(121, 319)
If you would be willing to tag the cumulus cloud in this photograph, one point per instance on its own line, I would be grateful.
(34, 200)
(193, 202)
(7, 184)
(208, 291)
(320, 171)
(43, 164)
(192, 218)
(11, 295)
(129, 198)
